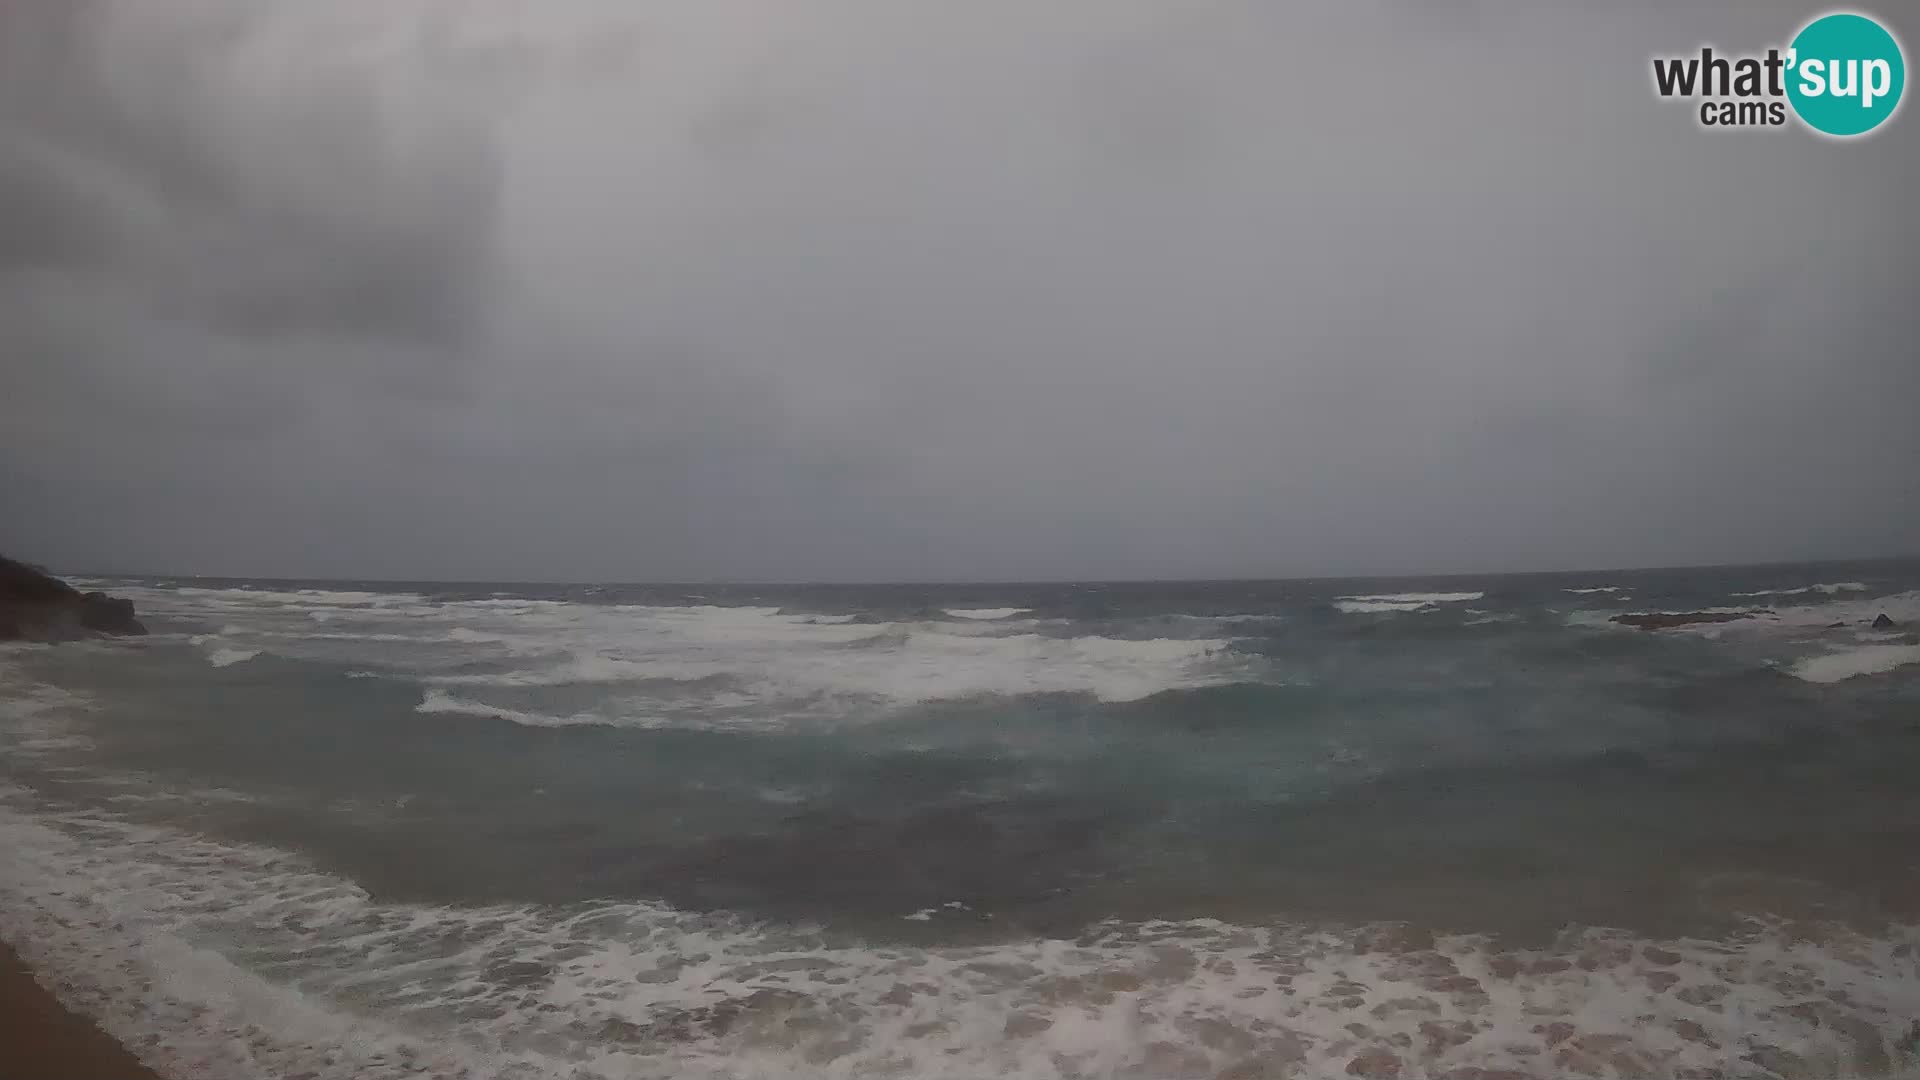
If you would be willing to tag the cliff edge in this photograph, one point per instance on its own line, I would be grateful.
(37, 607)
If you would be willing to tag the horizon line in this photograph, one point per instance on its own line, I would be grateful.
(1003, 582)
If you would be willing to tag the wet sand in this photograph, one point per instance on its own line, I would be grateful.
(39, 1040)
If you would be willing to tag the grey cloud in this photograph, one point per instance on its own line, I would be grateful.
(863, 290)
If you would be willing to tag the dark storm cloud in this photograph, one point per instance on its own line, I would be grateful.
(864, 290)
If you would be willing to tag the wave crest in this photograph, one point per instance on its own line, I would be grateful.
(1358, 605)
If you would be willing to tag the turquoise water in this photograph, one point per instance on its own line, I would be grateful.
(1062, 830)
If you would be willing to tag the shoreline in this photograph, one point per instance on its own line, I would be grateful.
(44, 1040)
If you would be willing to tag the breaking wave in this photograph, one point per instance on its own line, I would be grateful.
(1354, 605)
(440, 701)
(1830, 590)
(235, 962)
(1855, 662)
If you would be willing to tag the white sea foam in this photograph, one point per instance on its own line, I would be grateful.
(230, 657)
(1357, 605)
(1830, 589)
(1595, 589)
(1799, 621)
(242, 596)
(572, 670)
(440, 701)
(731, 660)
(767, 654)
(35, 717)
(1861, 660)
(1228, 620)
(1903, 607)
(932, 665)
(899, 664)
(191, 951)
(1753, 612)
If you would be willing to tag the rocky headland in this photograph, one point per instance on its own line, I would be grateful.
(35, 606)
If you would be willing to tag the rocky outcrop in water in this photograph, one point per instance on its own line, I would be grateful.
(1667, 620)
(37, 607)
(1884, 623)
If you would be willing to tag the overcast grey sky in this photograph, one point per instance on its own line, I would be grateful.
(896, 289)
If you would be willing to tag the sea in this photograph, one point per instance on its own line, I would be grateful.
(1467, 827)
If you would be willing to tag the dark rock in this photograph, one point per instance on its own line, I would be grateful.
(37, 607)
(22, 585)
(108, 614)
(1666, 620)
(1884, 623)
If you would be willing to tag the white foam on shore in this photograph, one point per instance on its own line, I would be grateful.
(229, 962)
(1854, 662)
(35, 717)
(986, 612)
(1357, 605)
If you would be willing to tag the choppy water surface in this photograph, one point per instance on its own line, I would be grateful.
(1166, 830)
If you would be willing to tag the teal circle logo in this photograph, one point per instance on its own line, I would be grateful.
(1845, 75)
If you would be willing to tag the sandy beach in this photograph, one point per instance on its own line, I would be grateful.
(39, 1040)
